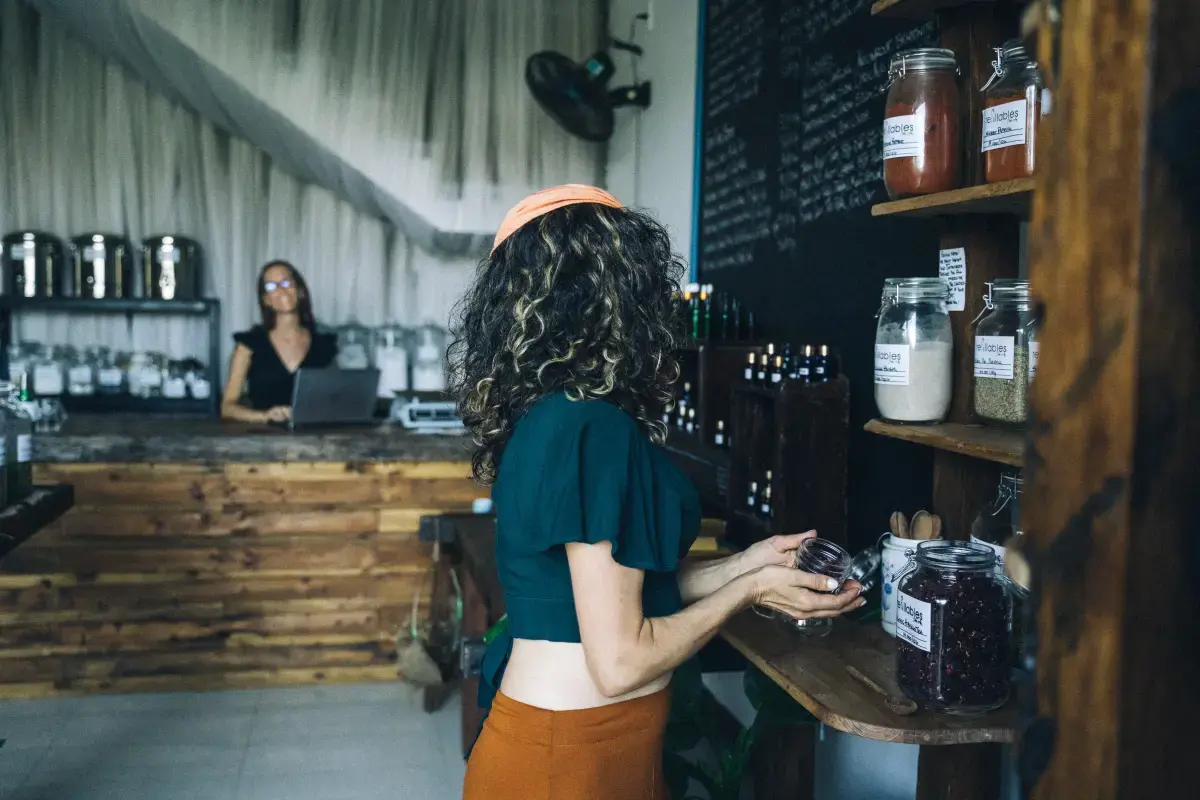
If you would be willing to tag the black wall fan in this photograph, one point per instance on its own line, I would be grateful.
(577, 95)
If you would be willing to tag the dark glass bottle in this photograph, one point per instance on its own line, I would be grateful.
(689, 427)
(821, 371)
(764, 367)
(764, 505)
(706, 312)
(751, 367)
(729, 312)
(803, 370)
(777, 372)
(719, 439)
(752, 498)
(684, 406)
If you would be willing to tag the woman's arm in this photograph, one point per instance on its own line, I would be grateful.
(703, 577)
(625, 650)
(231, 406)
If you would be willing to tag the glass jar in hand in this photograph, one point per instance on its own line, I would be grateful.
(820, 557)
(1012, 109)
(952, 626)
(921, 123)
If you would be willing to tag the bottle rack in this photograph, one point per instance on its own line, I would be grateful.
(799, 432)
(713, 368)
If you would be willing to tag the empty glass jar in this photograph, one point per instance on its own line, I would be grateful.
(953, 651)
(820, 557)
(914, 349)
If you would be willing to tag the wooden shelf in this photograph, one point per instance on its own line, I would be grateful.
(1008, 197)
(813, 672)
(915, 9)
(22, 520)
(978, 441)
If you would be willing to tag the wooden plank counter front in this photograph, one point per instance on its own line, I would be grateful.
(210, 555)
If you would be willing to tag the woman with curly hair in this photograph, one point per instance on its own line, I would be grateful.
(564, 359)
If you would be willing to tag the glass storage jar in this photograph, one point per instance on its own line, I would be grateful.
(1003, 335)
(952, 627)
(48, 373)
(999, 520)
(820, 557)
(1012, 110)
(429, 360)
(18, 444)
(391, 359)
(80, 375)
(175, 385)
(110, 379)
(354, 347)
(921, 141)
(914, 349)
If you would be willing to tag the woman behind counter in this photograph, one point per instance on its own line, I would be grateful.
(267, 356)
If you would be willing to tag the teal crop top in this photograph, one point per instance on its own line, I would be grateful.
(582, 471)
(585, 472)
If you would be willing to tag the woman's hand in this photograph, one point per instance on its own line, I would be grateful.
(776, 551)
(802, 595)
(279, 414)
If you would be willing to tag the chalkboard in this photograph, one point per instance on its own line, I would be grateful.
(789, 129)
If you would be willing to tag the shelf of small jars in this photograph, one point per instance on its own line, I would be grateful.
(1006, 197)
(1001, 445)
(918, 9)
(23, 519)
(110, 305)
(813, 671)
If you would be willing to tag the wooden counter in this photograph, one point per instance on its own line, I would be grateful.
(210, 555)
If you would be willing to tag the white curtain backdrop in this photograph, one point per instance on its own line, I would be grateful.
(85, 146)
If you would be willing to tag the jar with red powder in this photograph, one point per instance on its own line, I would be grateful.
(921, 140)
(1013, 105)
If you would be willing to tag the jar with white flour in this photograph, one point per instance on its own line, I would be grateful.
(914, 350)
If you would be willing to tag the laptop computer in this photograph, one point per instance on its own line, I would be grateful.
(334, 397)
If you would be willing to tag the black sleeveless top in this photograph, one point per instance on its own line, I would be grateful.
(269, 383)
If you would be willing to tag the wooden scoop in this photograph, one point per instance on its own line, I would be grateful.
(901, 706)
(923, 525)
(899, 525)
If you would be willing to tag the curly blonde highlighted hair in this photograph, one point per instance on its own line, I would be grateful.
(577, 301)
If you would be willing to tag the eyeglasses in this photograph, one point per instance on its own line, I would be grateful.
(272, 286)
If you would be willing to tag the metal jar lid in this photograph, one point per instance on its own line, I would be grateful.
(922, 59)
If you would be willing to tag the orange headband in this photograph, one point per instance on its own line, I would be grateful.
(547, 200)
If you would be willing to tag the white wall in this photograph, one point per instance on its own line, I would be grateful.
(650, 157)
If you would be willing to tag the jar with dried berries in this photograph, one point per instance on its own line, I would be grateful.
(1014, 100)
(921, 144)
(953, 652)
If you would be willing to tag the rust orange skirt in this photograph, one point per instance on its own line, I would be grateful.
(609, 753)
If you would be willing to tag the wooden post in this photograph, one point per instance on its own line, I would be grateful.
(1111, 504)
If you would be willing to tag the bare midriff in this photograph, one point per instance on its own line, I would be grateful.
(555, 676)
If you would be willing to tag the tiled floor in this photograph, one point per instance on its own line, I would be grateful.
(365, 742)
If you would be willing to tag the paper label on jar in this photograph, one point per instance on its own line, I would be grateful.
(109, 376)
(952, 268)
(995, 548)
(994, 357)
(903, 136)
(175, 388)
(1033, 359)
(1047, 101)
(47, 380)
(1004, 125)
(79, 375)
(914, 621)
(891, 364)
(24, 448)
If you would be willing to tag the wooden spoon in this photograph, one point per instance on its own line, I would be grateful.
(901, 706)
(922, 525)
(895, 522)
(937, 526)
(901, 523)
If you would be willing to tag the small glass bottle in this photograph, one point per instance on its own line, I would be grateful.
(110, 379)
(821, 368)
(803, 370)
(690, 426)
(175, 383)
(18, 444)
(820, 557)
(719, 436)
(751, 368)
(752, 498)
(777, 372)
(914, 364)
(764, 369)
(1003, 336)
(921, 147)
(953, 652)
(1012, 110)
(682, 407)
(764, 504)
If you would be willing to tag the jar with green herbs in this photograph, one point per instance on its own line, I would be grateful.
(1004, 335)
